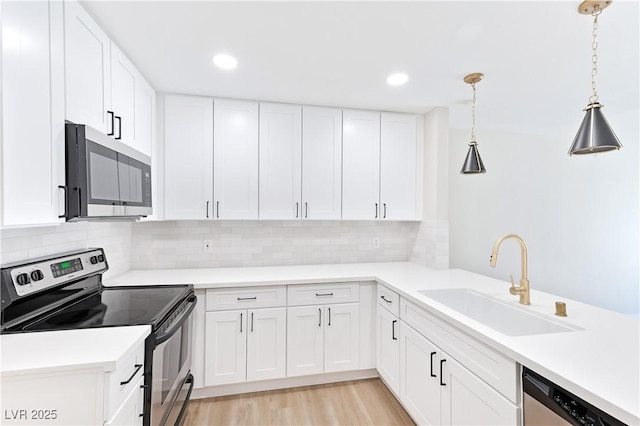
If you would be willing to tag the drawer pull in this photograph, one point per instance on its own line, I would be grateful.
(126, 382)
(240, 322)
(319, 317)
(329, 322)
(442, 361)
(324, 294)
(385, 299)
(240, 299)
(393, 330)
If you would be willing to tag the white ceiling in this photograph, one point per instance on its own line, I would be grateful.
(535, 55)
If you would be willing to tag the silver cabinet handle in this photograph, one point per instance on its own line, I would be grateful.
(306, 210)
(319, 317)
(240, 299)
(217, 209)
(297, 205)
(240, 322)
(385, 299)
(384, 214)
(329, 323)
(376, 216)
(252, 322)
(207, 210)
(324, 294)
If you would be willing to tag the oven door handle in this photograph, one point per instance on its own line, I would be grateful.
(160, 338)
(186, 401)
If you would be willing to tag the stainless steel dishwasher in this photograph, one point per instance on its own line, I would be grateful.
(547, 404)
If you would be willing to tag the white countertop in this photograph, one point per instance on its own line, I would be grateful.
(49, 351)
(600, 364)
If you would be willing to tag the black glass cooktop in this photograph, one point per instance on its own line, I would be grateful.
(114, 306)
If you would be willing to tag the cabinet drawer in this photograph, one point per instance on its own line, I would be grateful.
(491, 366)
(389, 299)
(314, 294)
(123, 381)
(245, 298)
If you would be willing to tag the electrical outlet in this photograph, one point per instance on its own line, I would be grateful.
(376, 242)
(207, 246)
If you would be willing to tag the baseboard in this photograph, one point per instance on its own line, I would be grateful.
(285, 383)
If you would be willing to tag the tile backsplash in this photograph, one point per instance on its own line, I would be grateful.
(179, 244)
(28, 243)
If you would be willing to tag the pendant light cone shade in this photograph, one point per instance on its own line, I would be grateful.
(473, 163)
(595, 134)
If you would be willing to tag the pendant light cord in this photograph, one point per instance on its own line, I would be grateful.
(473, 114)
(594, 56)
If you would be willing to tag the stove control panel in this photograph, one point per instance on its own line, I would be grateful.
(39, 276)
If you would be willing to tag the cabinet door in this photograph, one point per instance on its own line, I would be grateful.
(321, 163)
(188, 148)
(388, 348)
(280, 161)
(235, 157)
(32, 142)
(145, 116)
(305, 340)
(123, 96)
(266, 344)
(226, 348)
(360, 165)
(469, 400)
(398, 156)
(420, 389)
(87, 70)
(131, 409)
(342, 338)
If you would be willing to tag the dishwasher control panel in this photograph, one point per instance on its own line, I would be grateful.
(561, 405)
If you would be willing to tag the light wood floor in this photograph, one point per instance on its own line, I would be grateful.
(361, 402)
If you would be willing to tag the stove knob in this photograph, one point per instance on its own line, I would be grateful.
(37, 275)
(23, 279)
(100, 258)
(93, 260)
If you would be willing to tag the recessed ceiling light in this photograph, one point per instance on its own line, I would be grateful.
(397, 79)
(226, 62)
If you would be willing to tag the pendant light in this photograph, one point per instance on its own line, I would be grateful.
(595, 134)
(473, 163)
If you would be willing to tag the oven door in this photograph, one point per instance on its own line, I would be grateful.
(170, 368)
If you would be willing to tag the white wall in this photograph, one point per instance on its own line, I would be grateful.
(28, 243)
(579, 215)
(178, 244)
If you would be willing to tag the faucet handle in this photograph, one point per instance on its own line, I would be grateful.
(513, 284)
(513, 290)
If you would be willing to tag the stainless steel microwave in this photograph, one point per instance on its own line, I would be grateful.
(105, 178)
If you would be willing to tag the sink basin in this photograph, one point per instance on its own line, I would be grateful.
(500, 316)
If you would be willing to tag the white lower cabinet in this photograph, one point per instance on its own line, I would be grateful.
(130, 412)
(244, 345)
(437, 390)
(322, 339)
(388, 349)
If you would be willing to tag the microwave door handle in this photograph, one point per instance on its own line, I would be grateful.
(66, 201)
(178, 322)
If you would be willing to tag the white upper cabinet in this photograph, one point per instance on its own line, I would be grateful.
(123, 95)
(361, 165)
(398, 160)
(235, 156)
(145, 113)
(280, 161)
(379, 169)
(87, 69)
(188, 150)
(32, 144)
(103, 88)
(321, 163)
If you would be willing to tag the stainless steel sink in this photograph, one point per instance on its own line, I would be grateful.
(502, 317)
